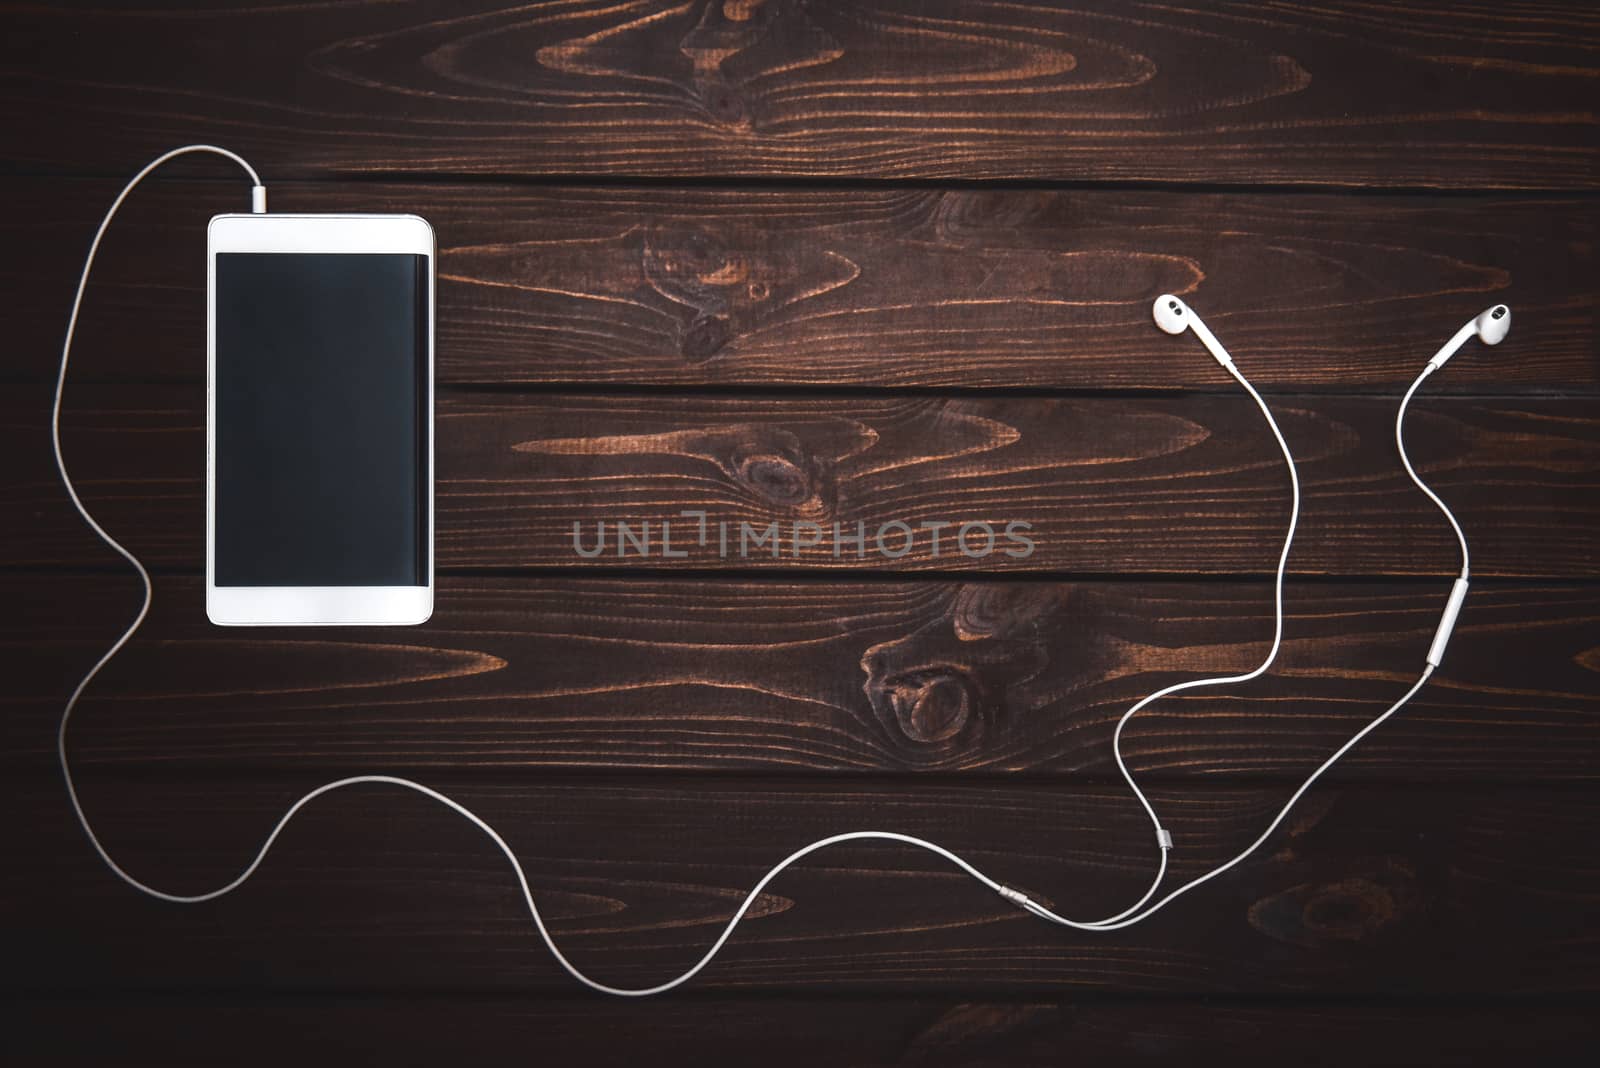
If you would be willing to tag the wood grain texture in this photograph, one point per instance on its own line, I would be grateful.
(190, 1028)
(778, 678)
(807, 261)
(1369, 891)
(1109, 484)
(1438, 94)
(901, 289)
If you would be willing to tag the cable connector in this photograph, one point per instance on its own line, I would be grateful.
(1016, 897)
(1163, 838)
(258, 200)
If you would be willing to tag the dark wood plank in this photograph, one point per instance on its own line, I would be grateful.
(883, 1031)
(1109, 484)
(910, 288)
(1439, 94)
(1370, 891)
(781, 678)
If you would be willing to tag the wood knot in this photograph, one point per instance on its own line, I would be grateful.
(937, 707)
(781, 479)
(776, 466)
(933, 705)
(704, 338)
(997, 611)
(726, 105)
(695, 268)
(949, 687)
(1351, 909)
(729, 282)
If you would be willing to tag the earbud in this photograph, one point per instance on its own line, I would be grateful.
(1171, 314)
(1491, 327)
(1494, 324)
(1174, 316)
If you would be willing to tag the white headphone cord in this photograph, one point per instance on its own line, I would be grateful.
(1405, 460)
(1446, 623)
(1163, 839)
(1122, 919)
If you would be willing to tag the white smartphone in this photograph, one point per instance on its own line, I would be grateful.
(319, 419)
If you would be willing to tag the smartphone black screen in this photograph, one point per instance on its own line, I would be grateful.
(321, 385)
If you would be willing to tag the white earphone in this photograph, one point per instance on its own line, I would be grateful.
(1171, 314)
(1174, 316)
(1490, 327)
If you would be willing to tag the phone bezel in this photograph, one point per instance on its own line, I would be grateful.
(232, 606)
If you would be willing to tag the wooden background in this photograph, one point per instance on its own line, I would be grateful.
(831, 261)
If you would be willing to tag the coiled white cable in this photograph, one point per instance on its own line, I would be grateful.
(1124, 918)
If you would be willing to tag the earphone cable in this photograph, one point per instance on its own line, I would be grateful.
(1427, 672)
(1164, 840)
(1125, 918)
